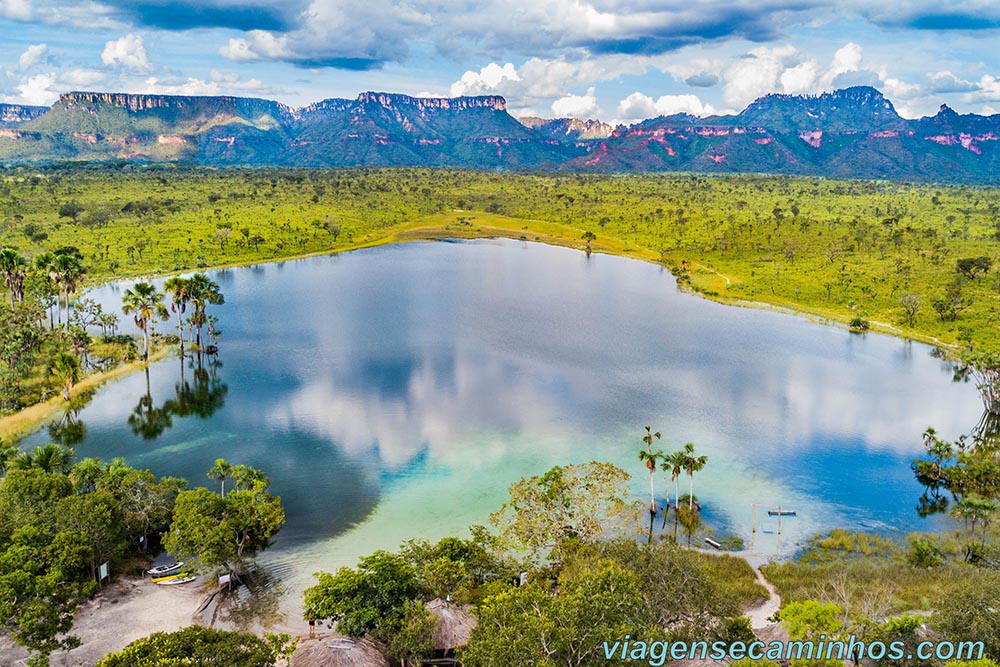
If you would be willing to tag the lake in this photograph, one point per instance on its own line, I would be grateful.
(397, 392)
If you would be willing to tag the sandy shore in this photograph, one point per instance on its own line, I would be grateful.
(123, 612)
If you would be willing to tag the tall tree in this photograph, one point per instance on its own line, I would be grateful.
(692, 464)
(219, 472)
(50, 458)
(66, 270)
(650, 459)
(180, 294)
(223, 531)
(14, 269)
(43, 264)
(674, 464)
(66, 370)
(203, 291)
(145, 303)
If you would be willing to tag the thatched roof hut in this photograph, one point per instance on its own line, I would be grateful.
(453, 625)
(338, 651)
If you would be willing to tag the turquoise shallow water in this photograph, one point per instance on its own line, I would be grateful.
(396, 392)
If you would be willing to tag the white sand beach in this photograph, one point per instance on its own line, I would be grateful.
(123, 612)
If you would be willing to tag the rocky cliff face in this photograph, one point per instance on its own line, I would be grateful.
(15, 114)
(569, 128)
(185, 104)
(852, 133)
(396, 101)
(861, 108)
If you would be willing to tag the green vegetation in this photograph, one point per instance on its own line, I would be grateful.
(196, 646)
(916, 259)
(38, 358)
(57, 525)
(871, 586)
(225, 530)
(963, 480)
(60, 521)
(579, 587)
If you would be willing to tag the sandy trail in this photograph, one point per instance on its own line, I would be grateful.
(123, 612)
(759, 614)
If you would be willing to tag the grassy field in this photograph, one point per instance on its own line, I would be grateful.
(835, 249)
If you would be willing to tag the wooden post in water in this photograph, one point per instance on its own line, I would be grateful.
(777, 542)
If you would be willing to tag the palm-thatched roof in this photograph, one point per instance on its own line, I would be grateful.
(338, 651)
(453, 624)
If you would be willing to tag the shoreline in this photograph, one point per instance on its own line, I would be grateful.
(557, 234)
(440, 226)
(126, 610)
(18, 425)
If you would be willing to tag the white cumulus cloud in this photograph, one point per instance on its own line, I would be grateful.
(37, 90)
(15, 10)
(756, 74)
(486, 79)
(218, 83)
(258, 45)
(31, 56)
(127, 51)
(638, 106)
(576, 106)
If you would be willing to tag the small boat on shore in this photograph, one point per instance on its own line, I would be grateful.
(162, 570)
(168, 577)
(781, 512)
(177, 580)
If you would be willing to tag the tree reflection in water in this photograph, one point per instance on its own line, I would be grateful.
(201, 397)
(69, 430)
(933, 471)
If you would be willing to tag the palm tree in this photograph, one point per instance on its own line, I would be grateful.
(66, 369)
(674, 464)
(7, 455)
(43, 263)
(179, 290)
(86, 474)
(13, 268)
(50, 458)
(692, 464)
(203, 291)
(245, 477)
(66, 270)
(220, 471)
(650, 458)
(146, 303)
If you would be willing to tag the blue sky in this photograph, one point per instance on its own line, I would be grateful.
(618, 60)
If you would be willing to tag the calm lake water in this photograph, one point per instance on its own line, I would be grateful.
(397, 392)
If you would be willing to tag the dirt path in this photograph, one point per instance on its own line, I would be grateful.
(759, 614)
(125, 611)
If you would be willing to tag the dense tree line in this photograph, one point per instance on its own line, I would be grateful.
(59, 521)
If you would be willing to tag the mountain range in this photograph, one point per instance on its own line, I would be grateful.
(854, 133)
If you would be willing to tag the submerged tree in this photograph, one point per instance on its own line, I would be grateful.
(145, 303)
(692, 464)
(224, 531)
(650, 458)
(203, 291)
(180, 294)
